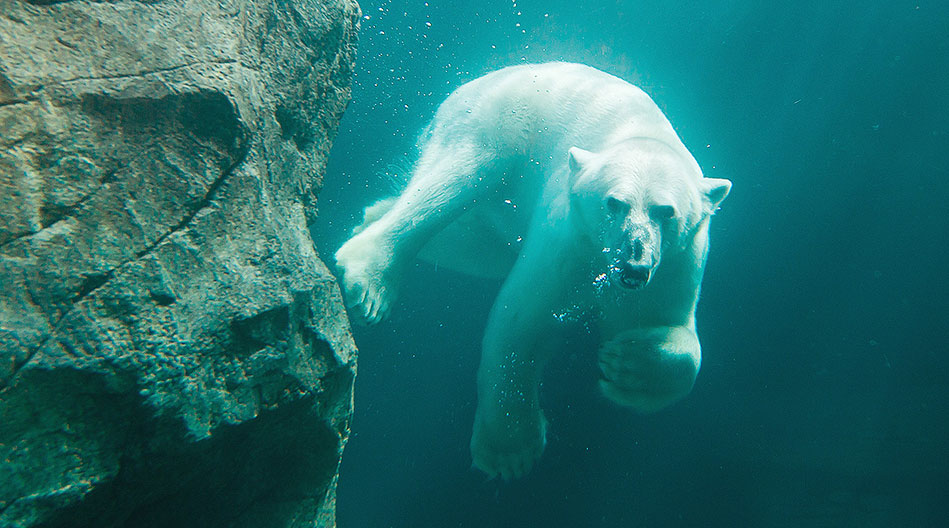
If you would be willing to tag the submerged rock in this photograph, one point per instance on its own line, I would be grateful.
(172, 350)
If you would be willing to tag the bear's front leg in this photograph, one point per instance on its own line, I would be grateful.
(651, 367)
(509, 429)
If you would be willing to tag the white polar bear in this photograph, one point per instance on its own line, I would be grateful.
(571, 185)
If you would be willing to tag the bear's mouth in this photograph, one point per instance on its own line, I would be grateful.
(633, 276)
(632, 283)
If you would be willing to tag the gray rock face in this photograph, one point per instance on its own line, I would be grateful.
(172, 350)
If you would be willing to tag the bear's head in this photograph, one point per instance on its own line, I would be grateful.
(638, 200)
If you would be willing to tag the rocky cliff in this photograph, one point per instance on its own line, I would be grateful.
(172, 350)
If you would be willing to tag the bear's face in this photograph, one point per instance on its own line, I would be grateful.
(639, 200)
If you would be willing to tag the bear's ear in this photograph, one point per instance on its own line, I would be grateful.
(714, 190)
(577, 158)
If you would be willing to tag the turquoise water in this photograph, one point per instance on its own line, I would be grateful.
(823, 398)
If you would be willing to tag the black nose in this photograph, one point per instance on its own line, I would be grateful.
(635, 275)
(638, 250)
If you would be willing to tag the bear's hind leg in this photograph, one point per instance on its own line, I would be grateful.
(445, 179)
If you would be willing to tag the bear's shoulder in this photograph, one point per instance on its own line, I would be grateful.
(553, 74)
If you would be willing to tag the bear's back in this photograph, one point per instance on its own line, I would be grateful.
(548, 108)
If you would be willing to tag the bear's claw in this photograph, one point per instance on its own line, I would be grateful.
(366, 303)
(363, 281)
(512, 453)
(507, 465)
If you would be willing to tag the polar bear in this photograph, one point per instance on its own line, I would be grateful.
(572, 186)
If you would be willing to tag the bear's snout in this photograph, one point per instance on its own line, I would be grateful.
(634, 276)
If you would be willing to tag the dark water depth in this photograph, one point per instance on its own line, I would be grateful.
(824, 393)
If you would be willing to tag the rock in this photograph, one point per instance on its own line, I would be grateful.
(172, 350)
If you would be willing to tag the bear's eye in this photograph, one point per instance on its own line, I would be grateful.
(617, 207)
(662, 212)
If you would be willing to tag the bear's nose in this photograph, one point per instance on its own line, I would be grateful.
(637, 250)
(635, 275)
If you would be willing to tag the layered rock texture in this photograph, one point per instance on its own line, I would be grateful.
(172, 350)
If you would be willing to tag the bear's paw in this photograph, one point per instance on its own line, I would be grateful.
(649, 368)
(365, 269)
(508, 447)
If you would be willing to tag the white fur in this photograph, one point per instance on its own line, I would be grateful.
(547, 175)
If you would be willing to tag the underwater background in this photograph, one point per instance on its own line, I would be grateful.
(823, 398)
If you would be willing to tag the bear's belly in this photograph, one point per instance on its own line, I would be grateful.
(484, 241)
